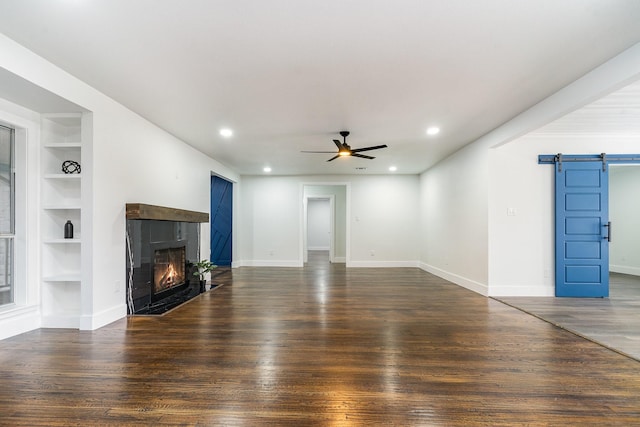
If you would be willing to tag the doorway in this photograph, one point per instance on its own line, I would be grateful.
(324, 221)
(584, 228)
(320, 227)
(624, 212)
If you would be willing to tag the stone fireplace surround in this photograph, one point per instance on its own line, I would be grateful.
(151, 227)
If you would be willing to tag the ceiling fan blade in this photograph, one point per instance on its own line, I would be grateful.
(338, 144)
(317, 151)
(357, 150)
(361, 155)
(333, 158)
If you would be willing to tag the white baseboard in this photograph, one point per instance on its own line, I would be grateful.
(103, 318)
(522, 291)
(339, 260)
(625, 269)
(318, 248)
(16, 321)
(383, 264)
(61, 321)
(466, 283)
(364, 264)
(270, 263)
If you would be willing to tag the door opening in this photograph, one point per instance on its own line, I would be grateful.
(624, 212)
(583, 227)
(338, 228)
(221, 221)
(320, 219)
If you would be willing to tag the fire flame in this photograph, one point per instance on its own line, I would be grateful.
(171, 273)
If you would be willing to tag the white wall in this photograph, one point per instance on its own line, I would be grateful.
(270, 221)
(132, 161)
(171, 174)
(318, 224)
(624, 213)
(454, 227)
(384, 221)
(383, 218)
(522, 246)
(466, 235)
(520, 221)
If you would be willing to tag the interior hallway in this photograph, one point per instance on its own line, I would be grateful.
(320, 345)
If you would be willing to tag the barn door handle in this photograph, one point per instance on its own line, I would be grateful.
(608, 236)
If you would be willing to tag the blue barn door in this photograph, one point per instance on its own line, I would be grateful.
(221, 221)
(582, 229)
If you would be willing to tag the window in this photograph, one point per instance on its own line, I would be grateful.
(7, 215)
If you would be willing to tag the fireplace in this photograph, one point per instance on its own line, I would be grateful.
(163, 244)
(169, 268)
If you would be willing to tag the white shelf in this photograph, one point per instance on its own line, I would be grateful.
(67, 277)
(63, 145)
(62, 207)
(61, 241)
(62, 176)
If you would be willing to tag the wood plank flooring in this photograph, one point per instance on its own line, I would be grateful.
(320, 345)
(613, 322)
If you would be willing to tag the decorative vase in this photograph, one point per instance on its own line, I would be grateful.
(203, 286)
(68, 230)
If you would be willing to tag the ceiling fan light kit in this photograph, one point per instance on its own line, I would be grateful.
(344, 150)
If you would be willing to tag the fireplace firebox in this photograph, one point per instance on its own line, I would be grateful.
(169, 266)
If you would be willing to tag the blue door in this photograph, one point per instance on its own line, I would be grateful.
(221, 215)
(582, 229)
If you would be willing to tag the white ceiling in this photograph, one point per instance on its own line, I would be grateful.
(288, 75)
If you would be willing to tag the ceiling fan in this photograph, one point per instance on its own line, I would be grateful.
(344, 150)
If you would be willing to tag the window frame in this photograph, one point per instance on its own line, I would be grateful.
(9, 236)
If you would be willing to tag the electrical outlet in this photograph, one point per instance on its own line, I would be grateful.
(372, 252)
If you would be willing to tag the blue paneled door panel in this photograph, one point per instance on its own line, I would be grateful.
(221, 215)
(582, 247)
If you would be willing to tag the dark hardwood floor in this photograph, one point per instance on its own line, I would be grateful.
(320, 345)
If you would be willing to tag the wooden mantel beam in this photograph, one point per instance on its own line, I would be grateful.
(161, 213)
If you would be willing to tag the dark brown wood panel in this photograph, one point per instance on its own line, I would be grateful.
(320, 345)
(142, 211)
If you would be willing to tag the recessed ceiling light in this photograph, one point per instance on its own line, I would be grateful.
(433, 130)
(267, 169)
(226, 132)
(393, 168)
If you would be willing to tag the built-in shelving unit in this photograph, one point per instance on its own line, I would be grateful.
(61, 200)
